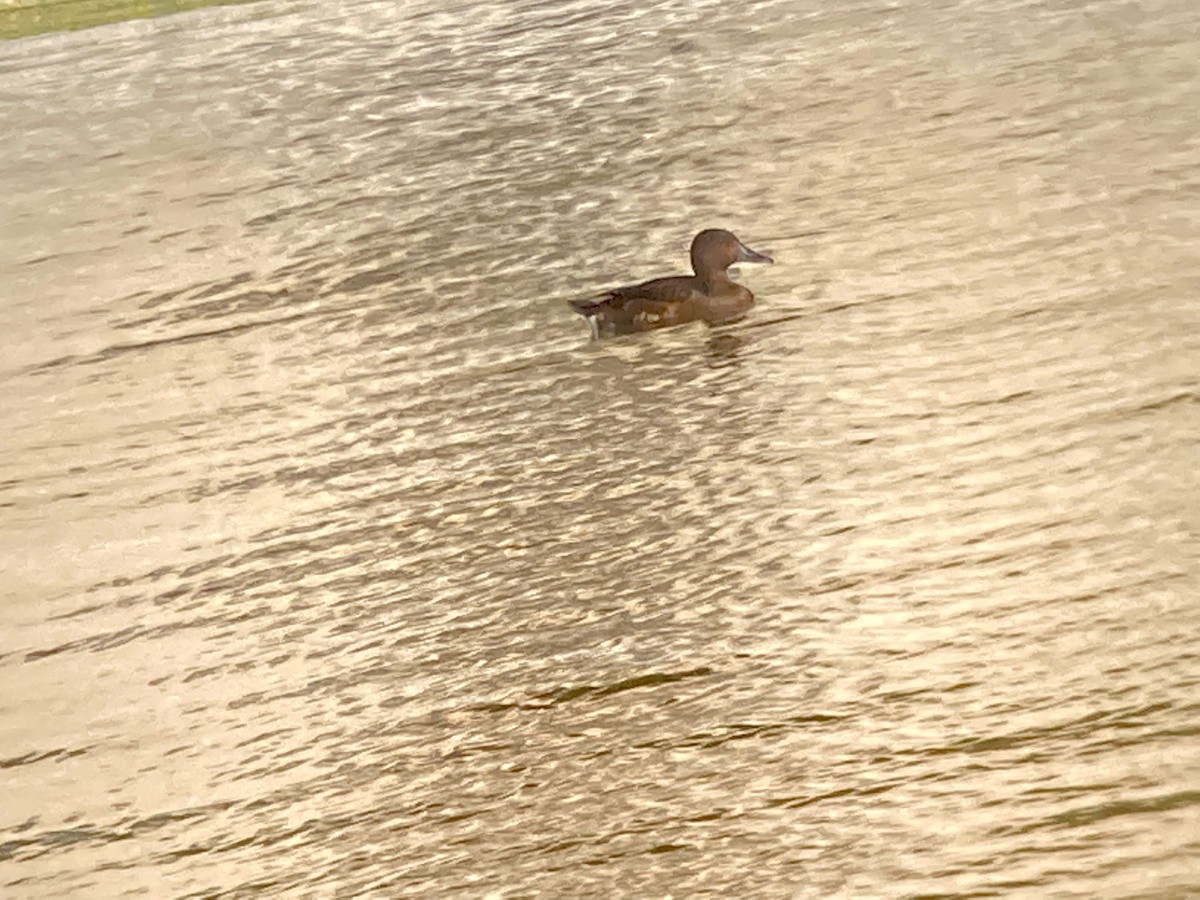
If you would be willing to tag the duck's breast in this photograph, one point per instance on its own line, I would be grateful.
(725, 306)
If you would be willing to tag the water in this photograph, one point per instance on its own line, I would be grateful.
(338, 561)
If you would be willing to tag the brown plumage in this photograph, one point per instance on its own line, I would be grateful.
(709, 295)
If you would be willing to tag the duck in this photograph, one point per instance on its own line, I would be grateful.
(708, 295)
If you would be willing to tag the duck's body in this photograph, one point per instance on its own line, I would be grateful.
(709, 295)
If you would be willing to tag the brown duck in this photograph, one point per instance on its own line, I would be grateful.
(709, 295)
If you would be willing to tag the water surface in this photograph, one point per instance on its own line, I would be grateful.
(338, 561)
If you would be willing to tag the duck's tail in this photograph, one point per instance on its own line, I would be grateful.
(588, 306)
(591, 309)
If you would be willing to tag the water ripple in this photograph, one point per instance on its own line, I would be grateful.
(329, 537)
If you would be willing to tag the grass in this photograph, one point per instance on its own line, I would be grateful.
(22, 18)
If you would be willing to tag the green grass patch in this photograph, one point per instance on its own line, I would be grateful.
(21, 18)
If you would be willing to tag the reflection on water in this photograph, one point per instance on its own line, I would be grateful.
(337, 559)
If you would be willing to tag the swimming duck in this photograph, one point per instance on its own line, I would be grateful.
(710, 294)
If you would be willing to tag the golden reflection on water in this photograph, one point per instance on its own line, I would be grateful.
(338, 559)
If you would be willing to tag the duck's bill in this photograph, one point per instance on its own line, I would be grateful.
(746, 255)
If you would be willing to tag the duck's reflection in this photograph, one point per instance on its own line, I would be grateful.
(725, 348)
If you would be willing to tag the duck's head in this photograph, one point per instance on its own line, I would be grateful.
(714, 250)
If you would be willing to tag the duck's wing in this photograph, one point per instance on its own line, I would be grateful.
(654, 295)
(658, 303)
